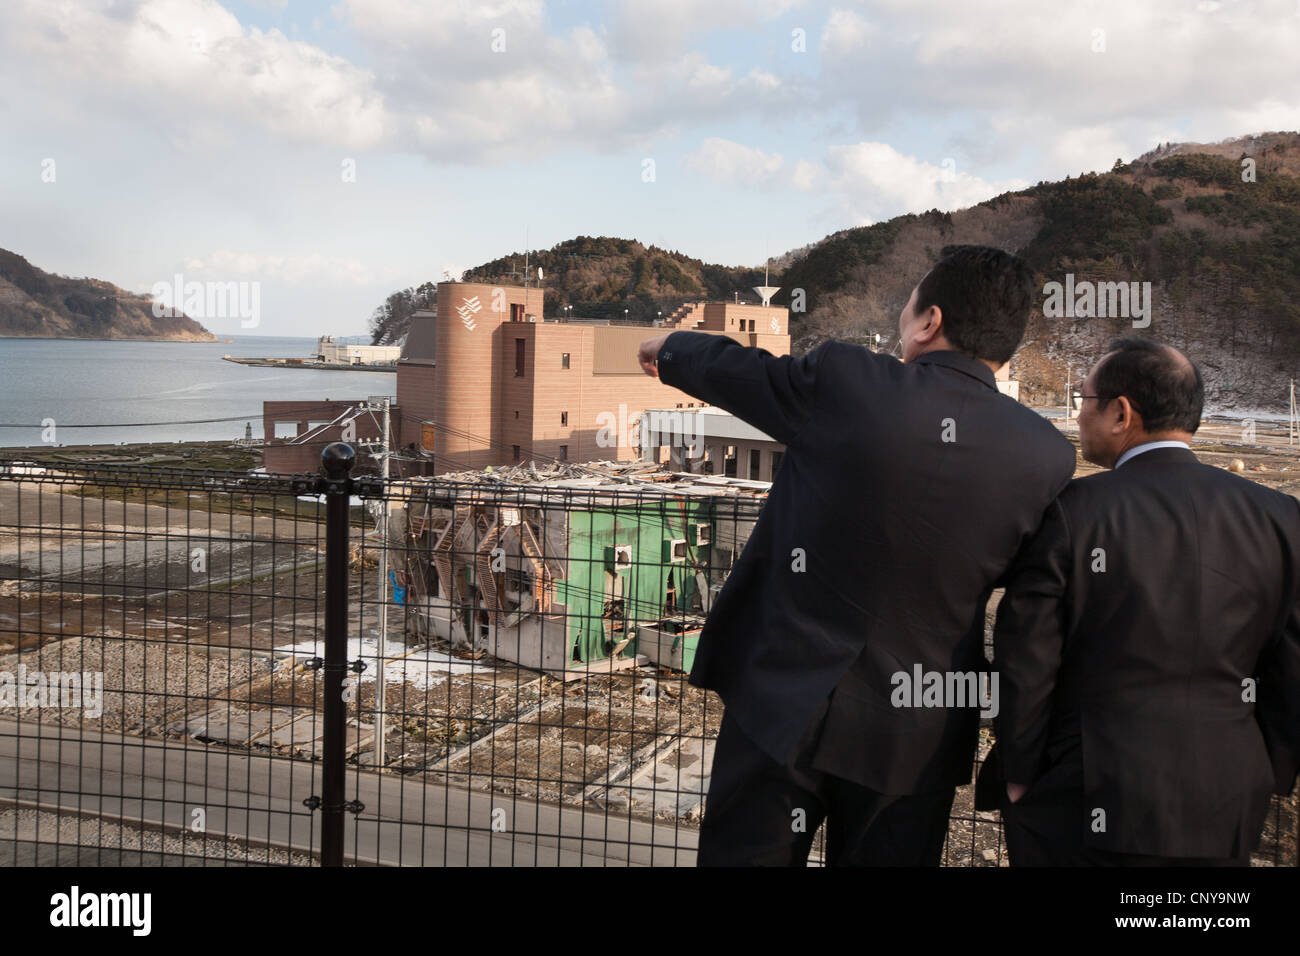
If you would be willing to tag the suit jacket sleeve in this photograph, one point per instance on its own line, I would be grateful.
(1063, 475)
(1278, 699)
(1028, 643)
(772, 393)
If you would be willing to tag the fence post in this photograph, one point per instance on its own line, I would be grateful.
(337, 460)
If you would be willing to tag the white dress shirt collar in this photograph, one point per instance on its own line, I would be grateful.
(1139, 449)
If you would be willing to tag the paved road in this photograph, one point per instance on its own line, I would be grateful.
(405, 821)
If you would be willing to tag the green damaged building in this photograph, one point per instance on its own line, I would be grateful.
(579, 569)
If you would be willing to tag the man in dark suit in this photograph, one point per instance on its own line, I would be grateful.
(1148, 645)
(905, 491)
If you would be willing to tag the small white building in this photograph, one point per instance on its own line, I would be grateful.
(1006, 384)
(708, 441)
(332, 353)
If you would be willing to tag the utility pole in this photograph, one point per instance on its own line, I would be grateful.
(1067, 397)
(1294, 418)
(384, 591)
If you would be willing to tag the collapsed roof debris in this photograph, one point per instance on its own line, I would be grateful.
(597, 474)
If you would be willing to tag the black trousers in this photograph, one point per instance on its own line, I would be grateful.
(1045, 828)
(763, 813)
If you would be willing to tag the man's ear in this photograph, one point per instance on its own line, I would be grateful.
(1126, 416)
(933, 319)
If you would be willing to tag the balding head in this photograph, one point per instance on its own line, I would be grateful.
(1160, 382)
(1140, 391)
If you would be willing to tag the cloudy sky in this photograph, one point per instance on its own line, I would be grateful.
(335, 152)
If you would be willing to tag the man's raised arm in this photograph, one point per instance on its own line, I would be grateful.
(774, 393)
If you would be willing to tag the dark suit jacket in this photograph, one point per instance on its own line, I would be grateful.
(906, 490)
(1134, 674)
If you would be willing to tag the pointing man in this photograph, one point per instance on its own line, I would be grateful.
(905, 491)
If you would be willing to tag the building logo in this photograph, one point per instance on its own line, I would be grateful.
(468, 310)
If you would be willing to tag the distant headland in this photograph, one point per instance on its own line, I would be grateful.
(39, 304)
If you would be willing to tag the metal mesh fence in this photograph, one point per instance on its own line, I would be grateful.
(492, 673)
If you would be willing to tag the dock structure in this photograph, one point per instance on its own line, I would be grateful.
(277, 362)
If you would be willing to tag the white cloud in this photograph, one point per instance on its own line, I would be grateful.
(807, 176)
(665, 28)
(871, 180)
(876, 181)
(459, 101)
(191, 71)
(846, 33)
(227, 264)
(728, 162)
(188, 63)
(1219, 68)
(1090, 149)
(459, 82)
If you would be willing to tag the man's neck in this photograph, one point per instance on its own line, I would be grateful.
(1146, 438)
(943, 345)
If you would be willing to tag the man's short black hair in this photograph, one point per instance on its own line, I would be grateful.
(1165, 389)
(985, 295)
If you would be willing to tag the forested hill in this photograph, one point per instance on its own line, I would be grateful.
(598, 276)
(1217, 237)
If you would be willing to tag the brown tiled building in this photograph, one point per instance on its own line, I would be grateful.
(295, 433)
(488, 380)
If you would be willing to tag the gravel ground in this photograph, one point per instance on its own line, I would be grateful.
(30, 837)
(142, 681)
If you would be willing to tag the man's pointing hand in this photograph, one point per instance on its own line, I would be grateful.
(648, 355)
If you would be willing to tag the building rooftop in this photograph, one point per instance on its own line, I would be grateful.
(421, 337)
(637, 477)
(707, 421)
